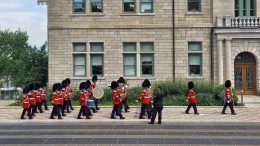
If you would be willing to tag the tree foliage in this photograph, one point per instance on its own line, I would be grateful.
(21, 63)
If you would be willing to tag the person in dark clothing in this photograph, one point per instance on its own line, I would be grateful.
(157, 105)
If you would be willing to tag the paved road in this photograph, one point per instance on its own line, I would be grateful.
(130, 133)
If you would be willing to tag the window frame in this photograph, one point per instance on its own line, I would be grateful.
(73, 9)
(134, 53)
(152, 5)
(74, 66)
(91, 10)
(197, 52)
(244, 8)
(142, 53)
(123, 7)
(199, 3)
(92, 53)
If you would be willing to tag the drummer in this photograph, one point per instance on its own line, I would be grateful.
(91, 96)
(93, 86)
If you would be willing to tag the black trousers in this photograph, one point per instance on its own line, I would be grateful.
(61, 109)
(56, 110)
(145, 108)
(84, 110)
(125, 104)
(194, 108)
(96, 101)
(32, 109)
(70, 104)
(156, 110)
(44, 103)
(231, 106)
(66, 105)
(39, 106)
(28, 113)
(116, 110)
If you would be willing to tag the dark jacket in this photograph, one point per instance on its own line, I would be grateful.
(158, 98)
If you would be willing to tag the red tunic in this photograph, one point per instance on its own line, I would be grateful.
(115, 97)
(55, 98)
(145, 96)
(25, 101)
(192, 96)
(37, 96)
(82, 98)
(93, 86)
(31, 98)
(227, 94)
(65, 94)
(69, 90)
(60, 97)
(43, 93)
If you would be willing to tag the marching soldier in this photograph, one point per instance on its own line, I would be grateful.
(60, 97)
(43, 91)
(83, 97)
(70, 90)
(93, 86)
(123, 91)
(38, 97)
(25, 101)
(228, 101)
(55, 102)
(145, 99)
(116, 101)
(191, 93)
(157, 105)
(32, 101)
(65, 95)
(91, 95)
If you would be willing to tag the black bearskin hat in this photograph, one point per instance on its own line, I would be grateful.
(146, 83)
(114, 85)
(43, 85)
(94, 78)
(64, 84)
(55, 87)
(190, 85)
(37, 86)
(67, 80)
(121, 80)
(31, 87)
(59, 86)
(82, 85)
(88, 82)
(26, 90)
(228, 84)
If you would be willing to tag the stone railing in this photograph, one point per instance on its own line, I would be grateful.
(238, 22)
(42, 2)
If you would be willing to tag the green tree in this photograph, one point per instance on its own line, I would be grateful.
(19, 62)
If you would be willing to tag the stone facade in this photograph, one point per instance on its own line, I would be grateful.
(166, 28)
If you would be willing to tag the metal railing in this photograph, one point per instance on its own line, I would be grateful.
(238, 22)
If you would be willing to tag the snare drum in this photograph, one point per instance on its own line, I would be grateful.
(90, 103)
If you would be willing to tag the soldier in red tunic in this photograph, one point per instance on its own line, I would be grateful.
(123, 90)
(32, 101)
(55, 102)
(43, 91)
(25, 101)
(83, 98)
(145, 99)
(38, 97)
(116, 101)
(91, 96)
(228, 101)
(93, 86)
(65, 95)
(191, 93)
(70, 90)
(60, 97)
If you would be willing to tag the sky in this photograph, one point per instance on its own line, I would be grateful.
(26, 15)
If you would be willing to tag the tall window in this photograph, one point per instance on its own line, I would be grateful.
(245, 8)
(79, 59)
(129, 5)
(195, 58)
(194, 5)
(146, 6)
(96, 58)
(79, 6)
(96, 5)
(129, 59)
(147, 59)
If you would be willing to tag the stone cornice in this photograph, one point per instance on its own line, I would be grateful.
(237, 30)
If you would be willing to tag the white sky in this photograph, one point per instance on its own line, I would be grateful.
(26, 15)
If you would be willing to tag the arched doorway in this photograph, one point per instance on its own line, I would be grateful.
(245, 73)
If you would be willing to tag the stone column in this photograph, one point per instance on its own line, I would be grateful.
(220, 60)
(228, 58)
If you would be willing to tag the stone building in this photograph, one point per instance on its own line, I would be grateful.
(155, 39)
